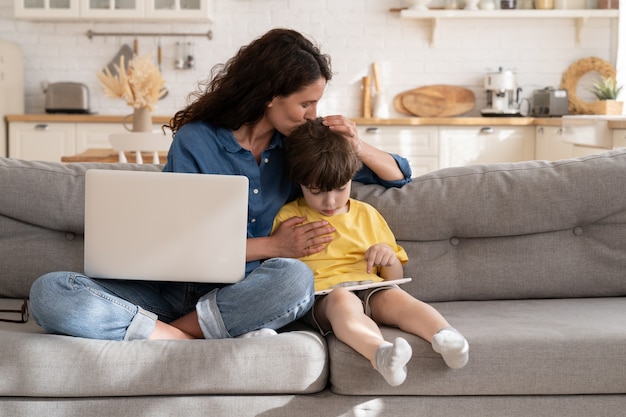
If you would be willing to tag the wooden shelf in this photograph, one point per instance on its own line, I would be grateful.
(435, 16)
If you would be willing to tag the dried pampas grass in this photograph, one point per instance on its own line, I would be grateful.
(141, 85)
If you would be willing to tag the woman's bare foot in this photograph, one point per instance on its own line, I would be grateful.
(163, 331)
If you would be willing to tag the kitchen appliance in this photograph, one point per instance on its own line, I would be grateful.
(508, 4)
(502, 94)
(550, 102)
(11, 88)
(67, 97)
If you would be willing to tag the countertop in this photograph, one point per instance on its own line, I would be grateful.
(76, 118)
(461, 121)
(618, 123)
(401, 121)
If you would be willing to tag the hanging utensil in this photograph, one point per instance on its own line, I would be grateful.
(189, 56)
(159, 54)
(159, 62)
(381, 108)
(124, 51)
(179, 63)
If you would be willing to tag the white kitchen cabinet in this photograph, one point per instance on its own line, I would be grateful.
(588, 134)
(11, 87)
(129, 10)
(182, 9)
(579, 150)
(485, 145)
(588, 130)
(51, 141)
(46, 9)
(112, 9)
(95, 135)
(619, 138)
(418, 144)
(549, 144)
(41, 141)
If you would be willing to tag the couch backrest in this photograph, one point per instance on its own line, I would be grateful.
(532, 229)
(41, 219)
(523, 230)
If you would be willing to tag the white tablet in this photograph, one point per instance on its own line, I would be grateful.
(360, 285)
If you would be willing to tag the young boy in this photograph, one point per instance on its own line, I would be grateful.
(363, 248)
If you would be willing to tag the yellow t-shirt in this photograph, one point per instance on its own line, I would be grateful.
(343, 259)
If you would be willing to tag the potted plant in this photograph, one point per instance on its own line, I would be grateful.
(607, 90)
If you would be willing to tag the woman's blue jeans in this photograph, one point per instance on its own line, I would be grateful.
(273, 295)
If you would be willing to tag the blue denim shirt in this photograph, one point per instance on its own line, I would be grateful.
(200, 147)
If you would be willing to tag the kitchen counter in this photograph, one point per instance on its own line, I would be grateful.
(618, 123)
(462, 121)
(429, 143)
(76, 118)
(400, 121)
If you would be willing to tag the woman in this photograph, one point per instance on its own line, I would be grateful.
(235, 126)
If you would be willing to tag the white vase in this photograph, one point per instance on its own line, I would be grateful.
(421, 5)
(381, 108)
(142, 120)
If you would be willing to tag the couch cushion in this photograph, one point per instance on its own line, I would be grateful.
(509, 231)
(517, 347)
(49, 194)
(504, 199)
(35, 364)
(28, 251)
(41, 219)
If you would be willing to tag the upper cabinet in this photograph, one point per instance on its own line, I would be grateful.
(183, 9)
(152, 10)
(112, 9)
(47, 9)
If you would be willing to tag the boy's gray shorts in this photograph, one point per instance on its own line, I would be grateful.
(364, 296)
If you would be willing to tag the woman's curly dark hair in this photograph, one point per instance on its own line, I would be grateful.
(278, 63)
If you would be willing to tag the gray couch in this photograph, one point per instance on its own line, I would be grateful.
(527, 260)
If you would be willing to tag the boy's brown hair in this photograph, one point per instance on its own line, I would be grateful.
(319, 157)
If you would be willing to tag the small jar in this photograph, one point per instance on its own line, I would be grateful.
(507, 4)
(527, 4)
(608, 4)
(544, 4)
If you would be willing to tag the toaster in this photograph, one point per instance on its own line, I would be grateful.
(67, 97)
(550, 102)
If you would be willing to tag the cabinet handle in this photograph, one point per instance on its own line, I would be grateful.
(540, 130)
(372, 130)
(41, 126)
(559, 131)
(486, 130)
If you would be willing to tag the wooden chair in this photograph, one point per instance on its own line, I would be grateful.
(139, 142)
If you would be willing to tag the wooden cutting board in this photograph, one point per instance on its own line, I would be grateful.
(438, 100)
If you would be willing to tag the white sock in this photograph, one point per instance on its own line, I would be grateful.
(391, 361)
(452, 346)
(259, 333)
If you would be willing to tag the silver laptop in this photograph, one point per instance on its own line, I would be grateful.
(164, 226)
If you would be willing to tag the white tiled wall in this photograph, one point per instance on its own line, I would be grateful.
(354, 32)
